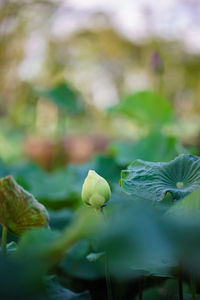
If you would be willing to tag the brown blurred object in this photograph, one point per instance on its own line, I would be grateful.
(75, 149)
(100, 142)
(40, 151)
(81, 148)
(78, 149)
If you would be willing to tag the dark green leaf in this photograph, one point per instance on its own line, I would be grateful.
(59, 219)
(58, 189)
(166, 291)
(76, 264)
(156, 267)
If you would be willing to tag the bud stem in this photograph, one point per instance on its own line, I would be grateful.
(141, 284)
(108, 279)
(4, 239)
(180, 283)
(193, 287)
(107, 273)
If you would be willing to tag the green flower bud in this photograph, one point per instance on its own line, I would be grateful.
(96, 191)
(19, 211)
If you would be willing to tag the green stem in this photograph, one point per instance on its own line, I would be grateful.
(180, 284)
(4, 239)
(141, 288)
(193, 287)
(108, 279)
(107, 273)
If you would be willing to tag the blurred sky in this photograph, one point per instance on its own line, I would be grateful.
(136, 19)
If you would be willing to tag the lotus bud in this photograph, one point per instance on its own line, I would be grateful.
(96, 190)
(19, 211)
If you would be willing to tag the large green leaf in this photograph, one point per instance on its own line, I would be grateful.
(77, 264)
(145, 107)
(161, 267)
(61, 218)
(152, 181)
(144, 248)
(57, 189)
(65, 97)
(23, 278)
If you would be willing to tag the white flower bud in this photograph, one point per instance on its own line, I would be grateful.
(96, 190)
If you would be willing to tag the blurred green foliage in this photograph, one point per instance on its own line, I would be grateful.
(153, 147)
(65, 98)
(146, 108)
(70, 101)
